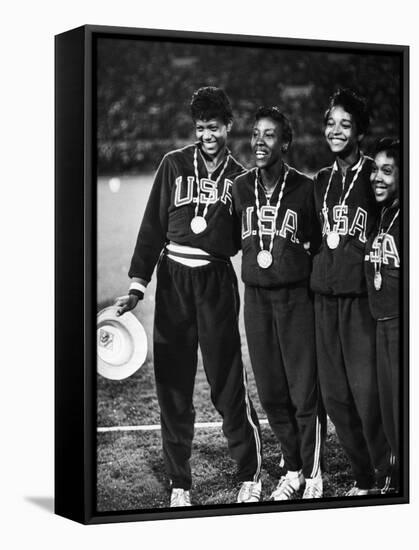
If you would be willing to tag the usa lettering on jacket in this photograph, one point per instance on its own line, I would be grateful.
(185, 188)
(341, 224)
(267, 219)
(389, 253)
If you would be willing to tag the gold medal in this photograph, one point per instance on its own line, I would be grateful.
(198, 224)
(264, 259)
(332, 240)
(378, 281)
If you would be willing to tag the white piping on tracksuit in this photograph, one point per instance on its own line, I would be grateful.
(255, 429)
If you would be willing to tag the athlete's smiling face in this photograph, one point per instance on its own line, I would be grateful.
(341, 132)
(212, 134)
(266, 143)
(385, 178)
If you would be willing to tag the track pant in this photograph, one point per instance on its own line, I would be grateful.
(201, 304)
(345, 340)
(280, 335)
(388, 373)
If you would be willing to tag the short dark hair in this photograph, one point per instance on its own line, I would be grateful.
(275, 114)
(211, 102)
(389, 146)
(354, 104)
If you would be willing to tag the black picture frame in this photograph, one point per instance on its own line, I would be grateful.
(75, 275)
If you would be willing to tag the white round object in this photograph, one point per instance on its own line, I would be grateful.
(378, 281)
(333, 239)
(121, 344)
(198, 224)
(114, 184)
(264, 259)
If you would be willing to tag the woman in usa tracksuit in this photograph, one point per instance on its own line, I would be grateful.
(274, 204)
(382, 269)
(345, 329)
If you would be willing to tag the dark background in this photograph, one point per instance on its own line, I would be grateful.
(144, 90)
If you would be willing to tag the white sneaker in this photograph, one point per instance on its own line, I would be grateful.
(250, 491)
(179, 497)
(314, 487)
(288, 487)
(357, 492)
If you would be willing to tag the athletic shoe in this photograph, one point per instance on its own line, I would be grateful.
(314, 487)
(389, 491)
(388, 484)
(249, 492)
(357, 492)
(179, 497)
(386, 490)
(288, 487)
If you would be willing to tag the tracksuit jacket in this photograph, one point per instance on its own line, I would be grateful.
(340, 272)
(384, 303)
(171, 207)
(297, 230)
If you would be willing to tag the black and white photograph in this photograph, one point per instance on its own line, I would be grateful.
(249, 258)
(209, 310)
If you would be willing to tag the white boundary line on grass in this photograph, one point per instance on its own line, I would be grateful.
(155, 427)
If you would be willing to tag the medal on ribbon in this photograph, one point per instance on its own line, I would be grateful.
(378, 278)
(199, 223)
(332, 236)
(264, 257)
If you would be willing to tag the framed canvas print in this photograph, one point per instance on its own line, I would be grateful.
(231, 274)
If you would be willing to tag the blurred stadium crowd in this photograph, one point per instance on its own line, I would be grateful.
(144, 88)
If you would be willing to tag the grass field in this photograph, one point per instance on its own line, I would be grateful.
(130, 472)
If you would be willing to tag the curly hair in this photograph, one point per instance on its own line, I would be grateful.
(389, 146)
(211, 102)
(275, 114)
(352, 103)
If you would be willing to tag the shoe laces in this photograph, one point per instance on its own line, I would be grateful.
(285, 487)
(312, 491)
(180, 497)
(248, 490)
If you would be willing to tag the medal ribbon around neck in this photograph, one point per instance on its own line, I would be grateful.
(198, 184)
(277, 206)
(381, 236)
(348, 192)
